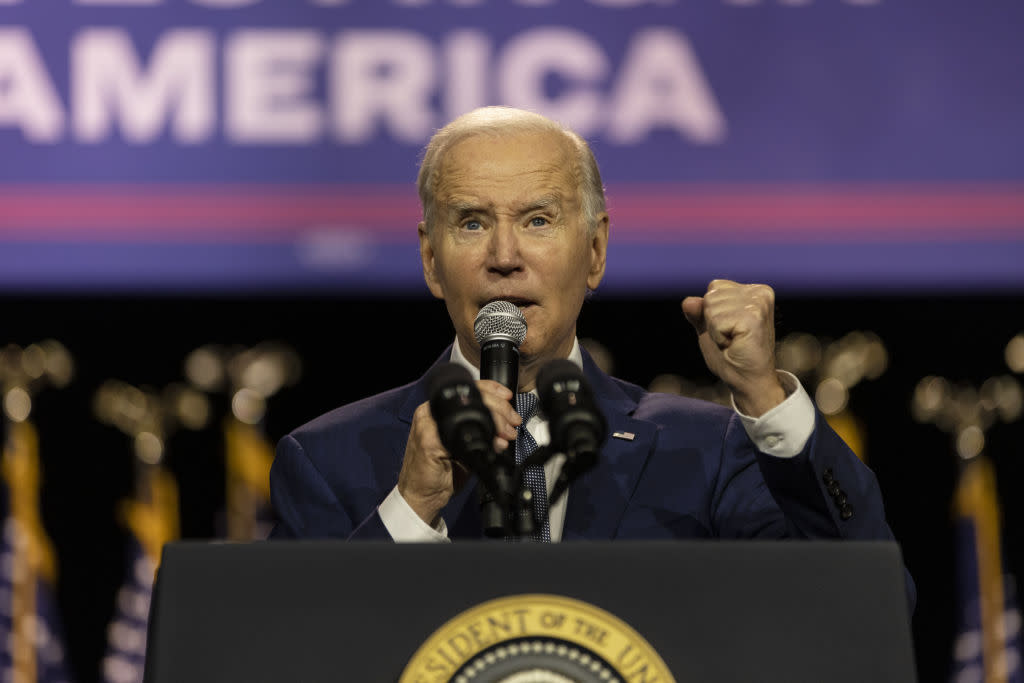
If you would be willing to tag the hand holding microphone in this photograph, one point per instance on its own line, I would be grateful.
(430, 474)
(465, 424)
(431, 471)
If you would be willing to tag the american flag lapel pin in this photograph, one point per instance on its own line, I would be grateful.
(625, 436)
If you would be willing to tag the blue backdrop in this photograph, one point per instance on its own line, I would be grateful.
(233, 145)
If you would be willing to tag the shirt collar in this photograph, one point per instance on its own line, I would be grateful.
(576, 356)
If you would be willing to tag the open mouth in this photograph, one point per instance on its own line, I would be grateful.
(516, 301)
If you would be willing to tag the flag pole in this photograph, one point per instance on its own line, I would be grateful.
(986, 646)
(33, 561)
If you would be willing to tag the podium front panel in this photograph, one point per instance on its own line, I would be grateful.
(310, 611)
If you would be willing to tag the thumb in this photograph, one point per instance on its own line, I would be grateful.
(693, 309)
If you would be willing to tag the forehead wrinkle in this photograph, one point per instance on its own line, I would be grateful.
(461, 181)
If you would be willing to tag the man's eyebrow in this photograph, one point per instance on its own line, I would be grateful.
(546, 202)
(462, 207)
(466, 207)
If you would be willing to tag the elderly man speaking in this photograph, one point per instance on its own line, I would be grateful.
(514, 210)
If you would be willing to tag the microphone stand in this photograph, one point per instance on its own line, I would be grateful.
(494, 499)
(522, 501)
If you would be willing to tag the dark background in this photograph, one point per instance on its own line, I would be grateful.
(353, 347)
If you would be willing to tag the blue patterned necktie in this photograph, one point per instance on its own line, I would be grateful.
(533, 477)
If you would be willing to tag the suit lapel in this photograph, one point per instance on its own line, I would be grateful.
(417, 393)
(598, 499)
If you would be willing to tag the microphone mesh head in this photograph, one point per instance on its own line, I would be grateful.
(502, 320)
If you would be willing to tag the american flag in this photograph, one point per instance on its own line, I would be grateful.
(125, 659)
(152, 518)
(30, 628)
(248, 512)
(987, 645)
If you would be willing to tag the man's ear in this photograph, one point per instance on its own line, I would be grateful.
(598, 252)
(429, 262)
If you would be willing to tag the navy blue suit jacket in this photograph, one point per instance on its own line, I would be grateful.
(690, 472)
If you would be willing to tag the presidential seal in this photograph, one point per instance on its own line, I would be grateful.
(536, 638)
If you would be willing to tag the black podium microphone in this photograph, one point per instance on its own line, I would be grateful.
(463, 421)
(575, 422)
(499, 328)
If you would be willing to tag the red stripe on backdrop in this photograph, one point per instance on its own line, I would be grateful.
(145, 212)
(802, 209)
(640, 212)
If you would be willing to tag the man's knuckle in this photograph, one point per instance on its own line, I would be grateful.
(763, 292)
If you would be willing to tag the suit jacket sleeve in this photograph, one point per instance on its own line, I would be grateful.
(823, 492)
(330, 475)
(306, 504)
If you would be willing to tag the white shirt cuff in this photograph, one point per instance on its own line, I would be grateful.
(405, 526)
(784, 430)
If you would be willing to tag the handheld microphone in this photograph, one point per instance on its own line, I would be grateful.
(577, 427)
(463, 421)
(499, 328)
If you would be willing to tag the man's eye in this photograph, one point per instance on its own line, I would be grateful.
(538, 221)
(472, 225)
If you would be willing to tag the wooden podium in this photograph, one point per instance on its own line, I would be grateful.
(701, 611)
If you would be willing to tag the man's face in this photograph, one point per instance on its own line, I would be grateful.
(509, 225)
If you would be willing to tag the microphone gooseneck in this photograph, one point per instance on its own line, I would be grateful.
(499, 328)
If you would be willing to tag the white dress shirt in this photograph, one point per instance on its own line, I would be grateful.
(781, 432)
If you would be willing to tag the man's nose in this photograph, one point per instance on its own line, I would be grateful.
(504, 255)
